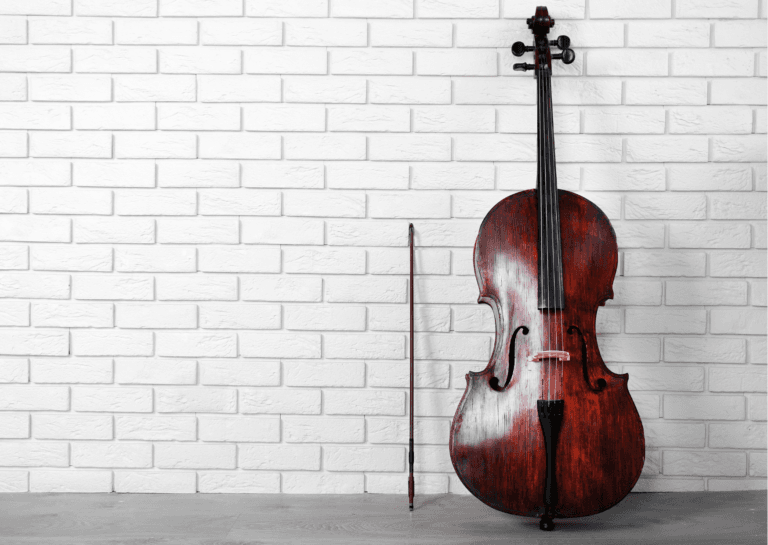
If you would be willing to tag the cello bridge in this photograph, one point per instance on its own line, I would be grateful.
(561, 355)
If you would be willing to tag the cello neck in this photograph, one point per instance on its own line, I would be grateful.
(551, 295)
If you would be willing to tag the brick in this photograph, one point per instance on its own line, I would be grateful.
(15, 426)
(364, 458)
(71, 315)
(395, 374)
(156, 32)
(736, 263)
(155, 88)
(13, 30)
(737, 379)
(365, 233)
(195, 400)
(35, 59)
(710, 177)
(457, 9)
(326, 33)
(706, 293)
(704, 463)
(286, 8)
(280, 401)
(669, 91)
(453, 347)
(394, 90)
(155, 259)
(286, 61)
(739, 34)
(279, 345)
(738, 321)
(154, 371)
(240, 373)
(35, 116)
(155, 482)
(16, 313)
(712, 62)
(628, 62)
(113, 287)
(639, 235)
(629, 349)
(316, 374)
(239, 202)
(142, 145)
(241, 32)
(456, 63)
(238, 482)
(227, 316)
(117, 455)
(156, 202)
(196, 344)
(115, 8)
(39, 342)
(413, 205)
(155, 428)
(655, 9)
(71, 201)
(112, 343)
(720, 235)
(73, 426)
(367, 176)
(115, 174)
(240, 429)
(31, 454)
(676, 379)
(747, 206)
(198, 174)
(757, 464)
(715, 9)
(372, 8)
(699, 350)
(239, 146)
(229, 259)
(279, 457)
(13, 257)
(193, 456)
(331, 317)
(494, 148)
(200, 8)
(364, 402)
(668, 34)
(70, 481)
(738, 91)
(678, 434)
(365, 290)
(34, 398)
(281, 288)
(14, 87)
(81, 145)
(757, 407)
(72, 370)
(222, 88)
(703, 407)
(211, 60)
(641, 120)
(323, 430)
(115, 117)
(208, 117)
(371, 61)
(709, 120)
(107, 399)
(452, 176)
(198, 230)
(78, 30)
(426, 431)
(664, 264)
(410, 33)
(293, 175)
(738, 148)
(115, 60)
(284, 117)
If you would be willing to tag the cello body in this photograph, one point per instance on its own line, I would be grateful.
(496, 442)
(546, 429)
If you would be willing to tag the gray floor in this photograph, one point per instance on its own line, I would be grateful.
(208, 519)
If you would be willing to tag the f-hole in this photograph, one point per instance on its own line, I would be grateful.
(600, 382)
(495, 380)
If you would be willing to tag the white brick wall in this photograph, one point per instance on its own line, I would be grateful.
(203, 228)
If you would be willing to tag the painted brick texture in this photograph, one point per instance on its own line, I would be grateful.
(203, 232)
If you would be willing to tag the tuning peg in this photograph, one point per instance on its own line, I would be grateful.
(567, 56)
(518, 48)
(562, 42)
(523, 66)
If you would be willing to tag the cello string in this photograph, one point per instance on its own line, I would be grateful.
(545, 226)
(551, 221)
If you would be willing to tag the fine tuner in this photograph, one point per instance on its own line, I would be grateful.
(541, 25)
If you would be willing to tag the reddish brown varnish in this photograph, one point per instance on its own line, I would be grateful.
(496, 443)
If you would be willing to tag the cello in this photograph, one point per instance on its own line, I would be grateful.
(546, 430)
